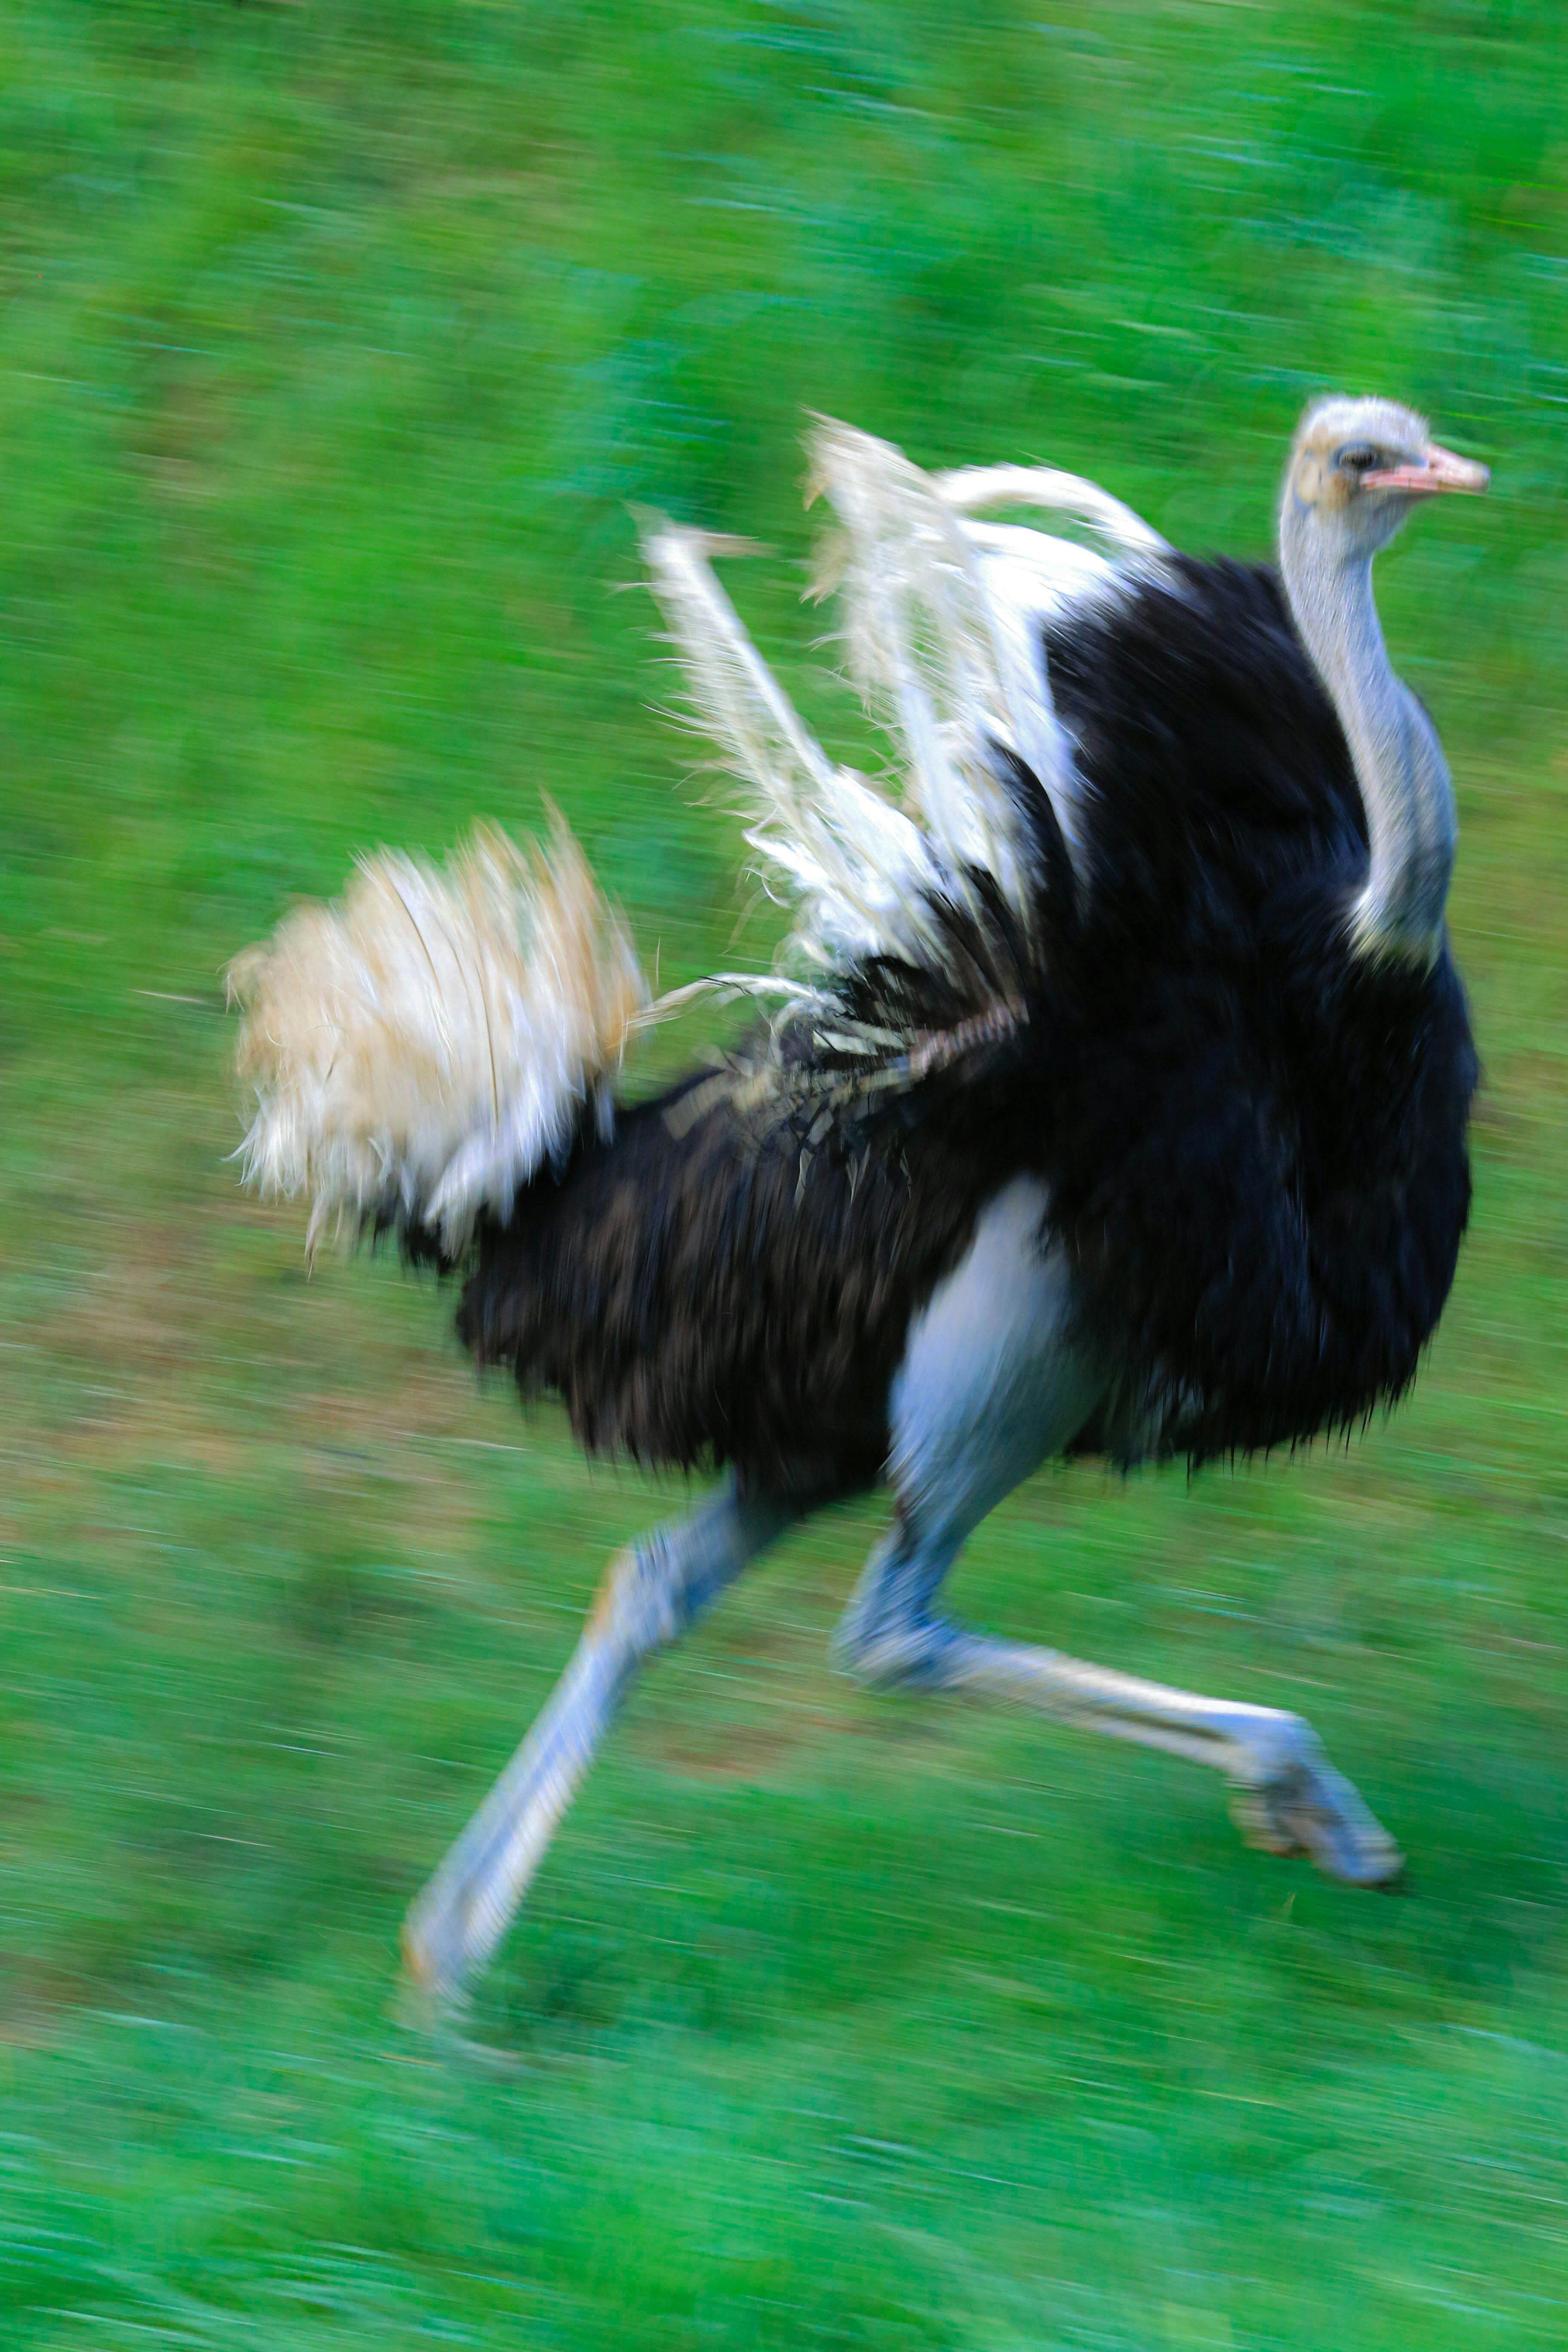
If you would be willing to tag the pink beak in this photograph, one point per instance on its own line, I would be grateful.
(1438, 469)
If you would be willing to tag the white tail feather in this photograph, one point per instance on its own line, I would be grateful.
(418, 1050)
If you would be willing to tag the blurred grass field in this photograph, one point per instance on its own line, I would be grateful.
(337, 341)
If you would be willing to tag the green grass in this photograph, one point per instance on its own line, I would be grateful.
(337, 339)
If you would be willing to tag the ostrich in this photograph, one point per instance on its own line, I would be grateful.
(1109, 1097)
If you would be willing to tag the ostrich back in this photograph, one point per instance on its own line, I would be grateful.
(1253, 1147)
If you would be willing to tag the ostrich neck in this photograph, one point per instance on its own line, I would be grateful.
(1399, 764)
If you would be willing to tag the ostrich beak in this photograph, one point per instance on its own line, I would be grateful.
(1436, 470)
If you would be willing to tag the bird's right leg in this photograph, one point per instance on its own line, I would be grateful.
(1286, 1796)
(651, 1593)
(995, 1379)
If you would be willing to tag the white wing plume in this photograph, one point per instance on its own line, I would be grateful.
(1033, 578)
(969, 487)
(858, 867)
(933, 661)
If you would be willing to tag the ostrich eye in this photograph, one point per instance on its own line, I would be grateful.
(1359, 459)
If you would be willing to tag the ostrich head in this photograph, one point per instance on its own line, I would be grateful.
(1358, 466)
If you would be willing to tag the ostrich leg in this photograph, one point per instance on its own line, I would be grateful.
(1286, 1796)
(991, 1384)
(651, 1593)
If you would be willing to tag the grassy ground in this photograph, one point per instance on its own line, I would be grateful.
(337, 339)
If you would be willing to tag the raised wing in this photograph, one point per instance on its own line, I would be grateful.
(419, 1050)
(940, 620)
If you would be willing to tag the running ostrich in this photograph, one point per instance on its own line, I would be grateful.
(1111, 1095)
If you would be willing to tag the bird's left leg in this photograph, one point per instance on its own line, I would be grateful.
(651, 1593)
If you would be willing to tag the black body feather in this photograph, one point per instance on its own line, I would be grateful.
(1253, 1147)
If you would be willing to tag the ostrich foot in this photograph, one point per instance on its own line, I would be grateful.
(1288, 1798)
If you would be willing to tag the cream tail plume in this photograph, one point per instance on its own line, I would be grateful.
(417, 1051)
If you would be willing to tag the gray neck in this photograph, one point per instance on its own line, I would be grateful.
(1399, 764)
